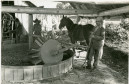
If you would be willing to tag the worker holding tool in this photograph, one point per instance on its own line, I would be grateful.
(96, 45)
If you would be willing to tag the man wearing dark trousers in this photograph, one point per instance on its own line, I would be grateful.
(96, 44)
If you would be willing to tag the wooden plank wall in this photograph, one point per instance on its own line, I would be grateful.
(14, 75)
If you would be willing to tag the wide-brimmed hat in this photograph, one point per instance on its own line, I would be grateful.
(36, 20)
(99, 18)
(16, 20)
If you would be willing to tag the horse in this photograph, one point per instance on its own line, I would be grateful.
(77, 32)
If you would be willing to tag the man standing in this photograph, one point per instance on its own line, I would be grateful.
(96, 44)
(37, 27)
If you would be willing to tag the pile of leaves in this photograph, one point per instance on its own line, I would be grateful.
(115, 33)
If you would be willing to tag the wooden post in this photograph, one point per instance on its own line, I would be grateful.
(2, 25)
(12, 33)
(30, 30)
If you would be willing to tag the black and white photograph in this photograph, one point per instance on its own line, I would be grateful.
(64, 41)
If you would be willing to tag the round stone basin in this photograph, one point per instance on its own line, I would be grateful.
(36, 72)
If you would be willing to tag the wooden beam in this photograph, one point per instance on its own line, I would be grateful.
(116, 11)
(102, 2)
(30, 31)
(88, 15)
(35, 10)
(116, 17)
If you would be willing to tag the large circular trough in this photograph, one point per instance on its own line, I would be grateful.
(34, 73)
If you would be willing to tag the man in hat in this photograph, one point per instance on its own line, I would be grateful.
(96, 44)
(37, 27)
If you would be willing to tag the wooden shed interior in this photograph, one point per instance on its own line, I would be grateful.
(86, 8)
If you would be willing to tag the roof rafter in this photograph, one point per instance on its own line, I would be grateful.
(83, 6)
(77, 5)
(30, 4)
(73, 6)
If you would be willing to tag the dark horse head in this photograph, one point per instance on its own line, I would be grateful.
(65, 22)
(76, 32)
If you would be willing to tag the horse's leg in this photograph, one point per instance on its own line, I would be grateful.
(88, 38)
(73, 42)
(73, 47)
(87, 41)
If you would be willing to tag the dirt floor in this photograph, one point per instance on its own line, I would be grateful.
(117, 59)
(112, 69)
(14, 54)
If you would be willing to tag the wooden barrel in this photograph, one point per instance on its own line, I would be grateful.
(34, 73)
